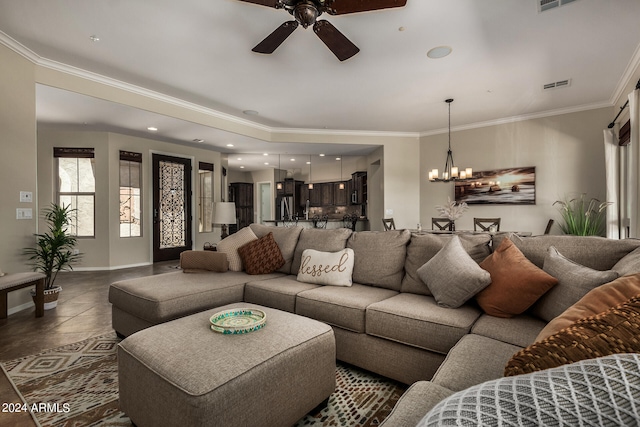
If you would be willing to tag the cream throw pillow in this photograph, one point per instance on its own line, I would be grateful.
(326, 268)
(230, 245)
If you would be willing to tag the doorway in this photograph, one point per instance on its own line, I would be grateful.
(265, 201)
(171, 207)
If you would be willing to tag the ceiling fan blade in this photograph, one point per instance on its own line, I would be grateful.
(269, 3)
(275, 39)
(337, 43)
(342, 7)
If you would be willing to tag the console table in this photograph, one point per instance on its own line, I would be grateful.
(14, 281)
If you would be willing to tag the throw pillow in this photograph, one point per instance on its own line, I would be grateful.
(614, 331)
(603, 391)
(202, 261)
(285, 237)
(516, 283)
(262, 256)
(629, 264)
(230, 245)
(574, 281)
(326, 268)
(597, 301)
(452, 276)
(320, 239)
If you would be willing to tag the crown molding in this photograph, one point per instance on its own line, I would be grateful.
(634, 64)
(520, 118)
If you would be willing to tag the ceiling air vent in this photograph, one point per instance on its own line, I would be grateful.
(545, 5)
(557, 85)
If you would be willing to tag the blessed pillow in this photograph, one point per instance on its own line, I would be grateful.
(230, 245)
(262, 256)
(597, 301)
(326, 268)
(614, 331)
(203, 261)
(574, 281)
(452, 276)
(516, 283)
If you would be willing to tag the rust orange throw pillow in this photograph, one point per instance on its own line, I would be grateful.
(617, 330)
(516, 283)
(262, 256)
(596, 301)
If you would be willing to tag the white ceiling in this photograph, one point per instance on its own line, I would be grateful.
(199, 51)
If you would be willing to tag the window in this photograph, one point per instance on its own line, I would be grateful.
(205, 204)
(130, 194)
(77, 187)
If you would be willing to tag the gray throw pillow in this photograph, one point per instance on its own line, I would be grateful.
(452, 276)
(574, 282)
(629, 264)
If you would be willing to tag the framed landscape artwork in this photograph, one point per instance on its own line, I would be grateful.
(515, 186)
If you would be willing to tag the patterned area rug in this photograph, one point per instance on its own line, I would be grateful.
(77, 385)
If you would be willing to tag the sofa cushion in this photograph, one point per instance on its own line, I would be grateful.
(277, 293)
(167, 296)
(379, 257)
(629, 264)
(473, 360)
(418, 321)
(203, 261)
(452, 276)
(261, 256)
(596, 301)
(327, 268)
(340, 306)
(415, 403)
(597, 392)
(286, 238)
(515, 282)
(520, 330)
(422, 247)
(321, 240)
(617, 330)
(574, 281)
(230, 245)
(594, 252)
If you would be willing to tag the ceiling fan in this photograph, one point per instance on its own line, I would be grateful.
(306, 13)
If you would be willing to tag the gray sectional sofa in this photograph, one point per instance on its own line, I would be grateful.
(387, 321)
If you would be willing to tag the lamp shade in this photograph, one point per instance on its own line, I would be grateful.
(225, 213)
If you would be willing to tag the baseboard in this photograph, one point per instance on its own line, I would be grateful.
(113, 267)
(18, 308)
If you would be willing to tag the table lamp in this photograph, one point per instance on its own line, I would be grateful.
(225, 213)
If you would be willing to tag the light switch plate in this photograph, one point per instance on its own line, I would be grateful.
(26, 197)
(24, 213)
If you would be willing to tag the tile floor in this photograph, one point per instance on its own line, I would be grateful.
(83, 311)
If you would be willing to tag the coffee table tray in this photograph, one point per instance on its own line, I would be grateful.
(238, 321)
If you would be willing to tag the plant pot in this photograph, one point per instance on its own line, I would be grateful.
(50, 297)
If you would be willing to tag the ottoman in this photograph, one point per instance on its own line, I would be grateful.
(181, 373)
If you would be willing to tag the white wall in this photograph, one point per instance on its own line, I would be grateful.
(567, 151)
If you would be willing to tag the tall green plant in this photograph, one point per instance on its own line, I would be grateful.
(582, 217)
(54, 248)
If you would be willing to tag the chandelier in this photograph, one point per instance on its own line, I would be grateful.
(451, 171)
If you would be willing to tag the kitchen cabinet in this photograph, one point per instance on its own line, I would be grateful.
(341, 197)
(315, 195)
(326, 194)
(359, 188)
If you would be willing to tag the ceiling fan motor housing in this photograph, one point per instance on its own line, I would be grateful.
(306, 13)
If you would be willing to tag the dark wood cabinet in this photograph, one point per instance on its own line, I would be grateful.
(288, 187)
(341, 196)
(304, 195)
(241, 193)
(326, 193)
(315, 195)
(359, 188)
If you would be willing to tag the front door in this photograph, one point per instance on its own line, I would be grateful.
(171, 207)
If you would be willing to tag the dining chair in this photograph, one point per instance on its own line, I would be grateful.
(441, 224)
(485, 224)
(549, 225)
(388, 224)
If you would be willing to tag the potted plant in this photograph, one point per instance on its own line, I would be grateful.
(581, 217)
(452, 210)
(54, 251)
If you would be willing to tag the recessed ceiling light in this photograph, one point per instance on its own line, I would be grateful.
(321, 155)
(229, 145)
(241, 167)
(439, 52)
(266, 163)
(152, 129)
(293, 160)
(308, 163)
(239, 158)
(94, 38)
(251, 112)
(265, 154)
(198, 140)
(337, 158)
